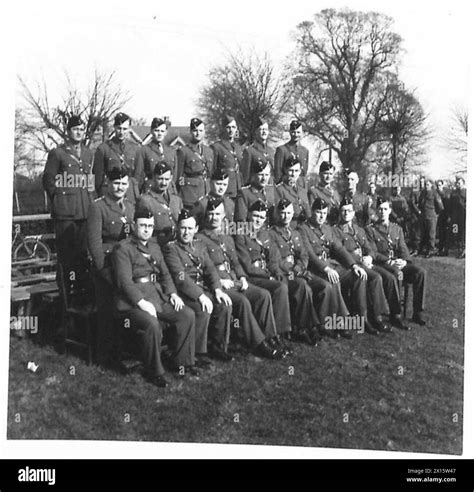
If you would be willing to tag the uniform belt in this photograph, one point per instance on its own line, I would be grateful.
(144, 280)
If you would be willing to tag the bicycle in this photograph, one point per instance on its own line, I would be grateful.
(29, 247)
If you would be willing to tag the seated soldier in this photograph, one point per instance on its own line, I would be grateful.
(391, 252)
(147, 297)
(199, 285)
(252, 305)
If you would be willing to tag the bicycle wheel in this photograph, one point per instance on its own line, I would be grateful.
(30, 249)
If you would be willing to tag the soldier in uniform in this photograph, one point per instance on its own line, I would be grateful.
(109, 221)
(360, 201)
(69, 184)
(218, 187)
(195, 166)
(199, 285)
(290, 189)
(228, 154)
(325, 191)
(292, 149)
(400, 209)
(252, 305)
(258, 189)
(443, 219)
(260, 260)
(415, 217)
(392, 253)
(430, 205)
(331, 261)
(457, 208)
(379, 280)
(147, 297)
(372, 196)
(156, 151)
(258, 152)
(163, 203)
(294, 264)
(119, 152)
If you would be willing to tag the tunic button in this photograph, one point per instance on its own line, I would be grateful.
(113, 222)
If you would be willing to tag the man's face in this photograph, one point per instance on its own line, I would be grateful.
(296, 134)
(144, 229)
(257, 219)
(347, 213)
(440, 185)
(122, 130)
(459, 184)
(216, 217)
(198, 133)
(286, 215)
(292, 174)
(352, 180)
(263, 177)
(327, 177)
(262, 133)
(320, 216)
(384, 211)
(428, 185)
(159, 133)
(76, 133)
(219, 186)
(187, 229)
(162, 181)
(231, 130)
(119, 187)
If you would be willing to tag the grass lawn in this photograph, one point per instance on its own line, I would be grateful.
(398, 392)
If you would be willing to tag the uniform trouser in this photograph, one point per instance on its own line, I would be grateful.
(443, 232)
(327, 298)
(354, 292)
(303, 314)
(458, 226)
(216, 325)
(390, 287)
(415, 232)
(428, 232)
(376, 302)
(149, 332)
(253, 314)
(280, 302)
(71, 245)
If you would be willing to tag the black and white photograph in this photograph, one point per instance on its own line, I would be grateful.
(236, 224)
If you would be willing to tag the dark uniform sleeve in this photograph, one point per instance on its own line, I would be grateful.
(313, 261)
(340, 253)
(245, 260)
(240, 207)
(403, 250)
(50, 171)
(245, 168)
(301, 263)
(278, 164)
(209, 269)
(94, 236)
(98, 168)
(378, 257)
(139, 171)
(123, 274)
(274, 259)
(234, 259)
(180, 158)
(166, 281)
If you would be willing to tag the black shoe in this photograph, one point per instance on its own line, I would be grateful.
(370, 329)
(203, 361)
(158, 381)
(191, 371)
(219, 354)
(315, 335)
(267, 351)
(381, 327)
(397, 322)
(281, 345)
(418, 319)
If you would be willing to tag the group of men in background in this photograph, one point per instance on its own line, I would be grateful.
(219, 243)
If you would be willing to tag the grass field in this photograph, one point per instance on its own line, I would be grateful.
(398, 392)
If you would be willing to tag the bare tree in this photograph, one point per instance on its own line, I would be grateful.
(342, 68)
(247, 87)
(457, 140)
(96, 105)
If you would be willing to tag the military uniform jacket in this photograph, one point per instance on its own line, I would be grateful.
(165, 208)
(294, 257)
(387, 241)
(228, 157)
(250, 194)
(400, 209)
(221, 250)
(69, 183)
(191, 268)
(131, 261)
(121, 154)
(298, 197)
(152, 153)
(256, 153)
(331, 196)
(354, 239)
(107, 224)
(199, 210)
(284, 152)
(324, 248)
(258, 254)
(430, 203)
(457, 205)
(194, 170)
(360, 202)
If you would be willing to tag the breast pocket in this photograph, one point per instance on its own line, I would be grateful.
(64, 203)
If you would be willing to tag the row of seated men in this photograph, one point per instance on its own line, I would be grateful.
(281, 271)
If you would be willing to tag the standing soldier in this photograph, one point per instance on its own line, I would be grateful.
(400, 209)
(163, 203)
(252, 305)
(156, 151)
(199, 285)
(258, 189)
(109, 221)
(258, 151)
(360, 201)
(457, 207)
(147, 297)
(195, 166)
(443, 219)
(228, 156)
(392, 253)
(69, 183)
(325, 191)
(430, 205)
(218, 187)
(372, 196)
(292, 149)
(294, 264)
(415, 222)
(260, 259)
(119, 152)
